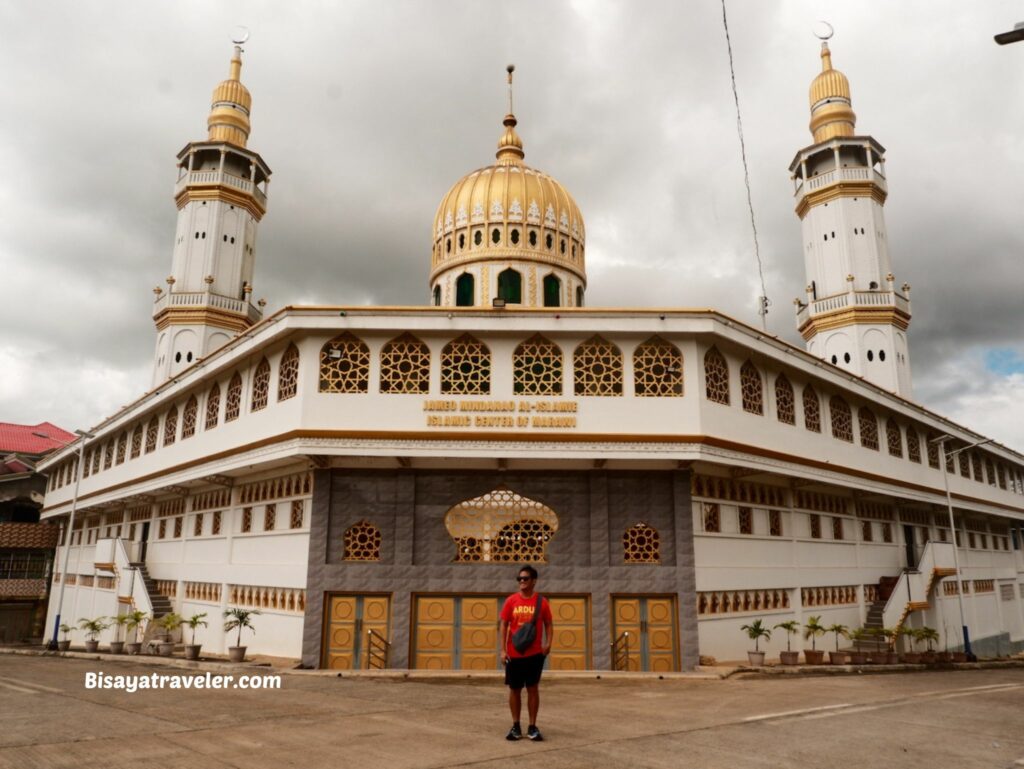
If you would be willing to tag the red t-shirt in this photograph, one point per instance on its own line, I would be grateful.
(518, 611)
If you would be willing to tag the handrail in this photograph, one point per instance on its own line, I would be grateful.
(378, 649)
(620, 652)
(915, 585)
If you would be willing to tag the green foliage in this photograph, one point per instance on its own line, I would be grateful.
(93, 627)
(239, 618)
(119, 622)
(812, 629)
(792, 627)
(756, 631)
(195, 621)
(839, 630)
(170, 622)
(66, 630)
(136, 619)
(929, 635)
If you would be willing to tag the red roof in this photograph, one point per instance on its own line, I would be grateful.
(33, 439)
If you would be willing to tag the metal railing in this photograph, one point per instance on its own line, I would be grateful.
(620, 652)
(378, 649)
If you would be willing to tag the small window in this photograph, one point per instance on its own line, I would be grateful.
(478, 238)
(448, 245)
(835, 360)
(562, 246)
(746, 520)
(463, 290)
(437, 296)
(495, 236)
(552, 291)
(815, 526)
(846, 357)
(579, 296)
(881, 355)
(514, 237)
(533, 239)
(188, 358)
(871, 355)
(177, 357)
(462, 240)
(548, 241)
(510, 286)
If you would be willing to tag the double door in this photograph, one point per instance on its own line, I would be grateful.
(651, 624)
(350, 618)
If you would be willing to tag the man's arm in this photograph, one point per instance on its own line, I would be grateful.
(548, 624)
(503, 635)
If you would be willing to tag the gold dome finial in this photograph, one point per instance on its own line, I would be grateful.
(229, 112)
(831, 110)
(510, 146)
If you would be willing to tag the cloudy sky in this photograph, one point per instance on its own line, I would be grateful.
(368, 111)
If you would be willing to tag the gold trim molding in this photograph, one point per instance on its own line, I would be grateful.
(841, 189)
(854, 317)
(188, 316)
(221, 192)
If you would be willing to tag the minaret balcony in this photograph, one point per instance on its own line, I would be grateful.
(839, 176)
(206, 300)
(220, 179)
(852, 300)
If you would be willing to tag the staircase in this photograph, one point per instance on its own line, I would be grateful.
(161, 603)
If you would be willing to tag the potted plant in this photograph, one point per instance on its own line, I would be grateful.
(911, 657)
(837, 657)
(929, 635)
(65, 643)
(238, 618)
(877, 657)
(93, 628)
(890, 645)
(192, 649)
(755, 632)
(118, 622)
(789, 657)
(170, 623)
(857, 655)
(135, 621)
(812, 629)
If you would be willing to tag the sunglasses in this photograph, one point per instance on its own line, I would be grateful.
(524, 579)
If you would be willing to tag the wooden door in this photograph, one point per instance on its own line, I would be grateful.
(651, 624)
(478, 633)
(435, 632)
(455, 632)
(570, 647)
(349, 619)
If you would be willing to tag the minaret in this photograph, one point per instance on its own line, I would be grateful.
(853, 315)
(221, 195)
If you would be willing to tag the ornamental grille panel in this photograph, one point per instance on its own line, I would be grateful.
(108, 452)
(641, 544)
(261, 385)
(812, 410)
(879, 511)
(213, 407)
(736, 601)
(288, 374)
(167, 587)
(785, 402)
(913, 445)
(774, 523)
(122, 447)
(842, 419)
(296, 485)
(984, 586)
(919, 517)
(537, 367)
(893, 438)
(751, 390)
(105, 583)
(171, 507)
(737, 491)
(405, 366)
(716, 377)
(597, 368)
(152, 430)
(746, 520)
(136, 442)
(843, 595)
(950, 587)
(234, 399)
(86, 580)
(362, 542)
(345, 365)
(712, 517)
(870, 593)
(189, 418)
(868, 428)
(97, 453)
(501, 526)
(933, 451)
(170, 426)
(140, 513)
(979, 474)
(298, 514)
(207, 592)
(29, 535)
(209, 500)
(285, 599)
(657, 369)
(465, 367)
(269, 517)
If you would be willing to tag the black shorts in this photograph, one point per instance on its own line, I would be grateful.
(524, 671)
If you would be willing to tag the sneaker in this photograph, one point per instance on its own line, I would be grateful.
(533, 733)
(515, 733)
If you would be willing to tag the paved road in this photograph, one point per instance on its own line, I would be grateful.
(936, 720)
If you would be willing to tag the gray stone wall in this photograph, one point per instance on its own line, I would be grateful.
(585, 557)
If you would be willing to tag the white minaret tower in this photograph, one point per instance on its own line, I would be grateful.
(853, 315)
(221, 194)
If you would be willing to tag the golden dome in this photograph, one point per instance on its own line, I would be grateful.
(831, 110)
(229, 112)
(508, 212)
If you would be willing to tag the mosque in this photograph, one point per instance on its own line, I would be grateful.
(369, 477)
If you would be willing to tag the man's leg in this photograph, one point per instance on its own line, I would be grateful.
(533, 702)
(515, 703)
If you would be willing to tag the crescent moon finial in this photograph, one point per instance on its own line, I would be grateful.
(823, 31)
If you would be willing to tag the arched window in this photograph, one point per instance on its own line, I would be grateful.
(362, 542)
(597, 367)
(501, 526)
(437, 296)
(213, 407)
(842, 419)
(657, 369)
(893, 438)
(98, 452)
(751, 389)
(189, 418)
(913, 445)
(510, 286)
(552, 291)
(812, 410)
(579, 296)
(86, 468)
(933, 451)
(288, 374)
(537, 367)
(785, 402)
(261, 385)
(641, 544)
(152, 432)
(122, 447)
(136, 442)
(868, 428)
(464, 290)
(716, 377)
(233, 406)
(108, 455)
(171, 426)
(465, 367)
(405, 366)
(345, 365)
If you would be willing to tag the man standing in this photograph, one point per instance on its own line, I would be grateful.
(524, 668)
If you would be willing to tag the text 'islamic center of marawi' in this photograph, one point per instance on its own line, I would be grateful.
(367, 477)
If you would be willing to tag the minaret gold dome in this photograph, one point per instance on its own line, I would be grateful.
(229, 111)
(509, 216)
(831, 108)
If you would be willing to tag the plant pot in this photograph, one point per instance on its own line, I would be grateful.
(959, 656)
(912, 658)
(755, 658)
(894, 658)
(858, 658)
(928, 658)
(838, 658)
(133, 648)
(92, 646)
(166, 648)
(63, 646)
(789, 658)
(943, 657)
(814, 656)
(192, 651)
(117, 647)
